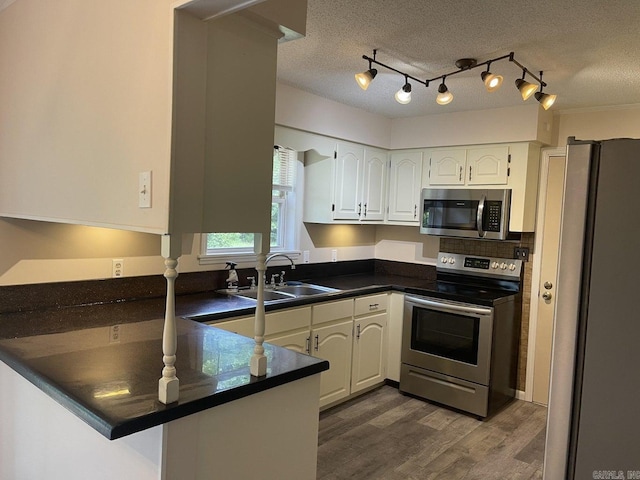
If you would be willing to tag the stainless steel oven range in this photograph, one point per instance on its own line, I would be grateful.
(460, 340)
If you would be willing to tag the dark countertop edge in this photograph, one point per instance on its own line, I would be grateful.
(173, 412)
(183, 410)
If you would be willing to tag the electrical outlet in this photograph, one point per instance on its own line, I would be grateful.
(334, 255)
(114, 334)
(117, 267)
(521, 253)
(305, 256)
(144, 190)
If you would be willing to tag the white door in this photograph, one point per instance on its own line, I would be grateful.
(405, 181)
(333, 343)
(448, 167)
(375, 169)
(548, 278)
(369, 352)
(488, 166)
(348, 185)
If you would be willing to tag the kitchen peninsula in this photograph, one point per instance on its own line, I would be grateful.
(54, 386)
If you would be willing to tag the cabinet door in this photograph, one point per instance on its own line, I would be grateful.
(447, 167)
(405, 178)
(369, 352)
(298, 342)
(488, 166)
(348, 187)
(334, 343)
(374, 183)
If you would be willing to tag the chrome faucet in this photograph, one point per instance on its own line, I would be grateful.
(271, 257)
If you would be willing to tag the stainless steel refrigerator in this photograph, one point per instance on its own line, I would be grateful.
(593, 426)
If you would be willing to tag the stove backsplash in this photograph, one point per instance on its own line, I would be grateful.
(487, 248)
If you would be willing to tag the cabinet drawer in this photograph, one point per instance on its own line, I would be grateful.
(327, 312)
(242, 326)
(287, 320)
(371, 304)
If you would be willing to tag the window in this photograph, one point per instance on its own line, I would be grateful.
(283, 203)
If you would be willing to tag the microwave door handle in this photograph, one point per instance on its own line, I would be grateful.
(480, 216)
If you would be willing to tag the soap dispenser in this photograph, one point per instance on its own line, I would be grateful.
(232, 281)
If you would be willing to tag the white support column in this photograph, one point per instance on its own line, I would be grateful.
(258, 365)
(169, 385)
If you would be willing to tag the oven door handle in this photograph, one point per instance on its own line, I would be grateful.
(448, 307)
(480, 216)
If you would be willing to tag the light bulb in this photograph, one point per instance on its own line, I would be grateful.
(365, 78)
(403, 95)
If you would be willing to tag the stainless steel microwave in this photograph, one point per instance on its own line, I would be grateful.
(470, 213)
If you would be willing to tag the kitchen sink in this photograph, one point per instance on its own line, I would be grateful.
(285, 292)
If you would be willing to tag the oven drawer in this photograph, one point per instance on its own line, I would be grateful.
(467, 396)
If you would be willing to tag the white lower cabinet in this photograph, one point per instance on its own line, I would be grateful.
(369, 362)
(351, 334)
(333, 343)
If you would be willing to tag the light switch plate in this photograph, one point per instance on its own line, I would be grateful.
(144, 189)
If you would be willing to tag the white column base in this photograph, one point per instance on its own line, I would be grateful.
(168, 390)
(258, 366)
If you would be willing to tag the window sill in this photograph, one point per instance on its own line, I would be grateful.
(223, 258)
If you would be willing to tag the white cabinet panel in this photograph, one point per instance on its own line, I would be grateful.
(334, 343)
(488, 166)
(405, 178)
(348, 181)
(369, 352)
(448, 167)
(298, 342)
(374, 185)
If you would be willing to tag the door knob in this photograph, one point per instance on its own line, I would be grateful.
(547, 296)
(548, 285)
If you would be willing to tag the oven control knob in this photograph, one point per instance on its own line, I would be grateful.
(503, 266)
(512, 266)
(444, 260)
(494, 265)
(452, 260)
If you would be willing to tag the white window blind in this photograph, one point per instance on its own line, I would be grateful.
(284, 168)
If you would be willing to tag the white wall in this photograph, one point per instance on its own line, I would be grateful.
(598, 124)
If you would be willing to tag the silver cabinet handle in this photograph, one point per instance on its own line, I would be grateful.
(373, 306)
(365, 209)
(460, 177)
(317, 347)
(415, 211)
(469, 172)
(358, 332)
(308, 347)
(359, 208)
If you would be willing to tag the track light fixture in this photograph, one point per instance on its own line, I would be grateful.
(403, 95)
(491, 81)
(444, 95)
(365, 78)
(545, 99)
(526, 89)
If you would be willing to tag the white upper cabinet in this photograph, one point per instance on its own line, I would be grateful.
(374, 185)
(86, 112)
(469, 166)
(448, 167)
(405, 176)
(349, 168)
(348, 188)
(488, 166)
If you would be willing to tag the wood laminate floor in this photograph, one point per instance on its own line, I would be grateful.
(387, 435)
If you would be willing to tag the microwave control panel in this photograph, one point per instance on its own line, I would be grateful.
(493, 216)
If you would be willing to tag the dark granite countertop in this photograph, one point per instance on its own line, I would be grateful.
(113, 385)
(66, 352)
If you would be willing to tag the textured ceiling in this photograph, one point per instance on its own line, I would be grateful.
(589, 51)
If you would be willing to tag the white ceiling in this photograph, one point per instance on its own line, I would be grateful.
(589, 51)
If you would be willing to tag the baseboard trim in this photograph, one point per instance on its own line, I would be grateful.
(520, 395)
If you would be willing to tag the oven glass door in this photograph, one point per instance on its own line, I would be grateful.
(448, 335)
(451, 338)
